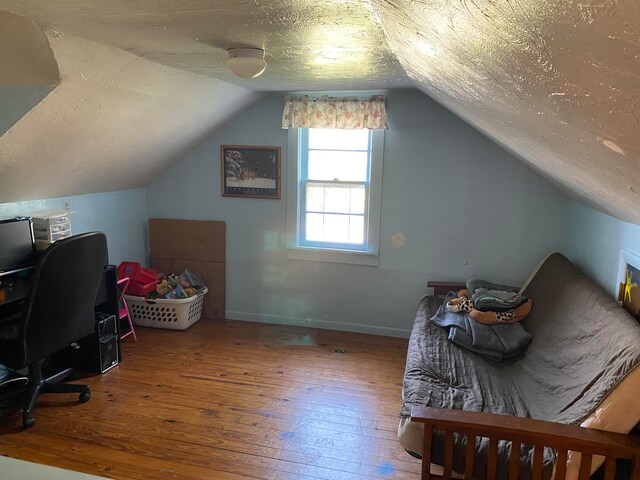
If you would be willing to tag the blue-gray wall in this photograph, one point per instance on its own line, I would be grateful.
(465, 206)
(595, 242)
(15, 103)
(121, 215)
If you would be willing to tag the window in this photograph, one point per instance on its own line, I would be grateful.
(334, 192)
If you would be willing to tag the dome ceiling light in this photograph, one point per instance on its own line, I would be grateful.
(246, 62)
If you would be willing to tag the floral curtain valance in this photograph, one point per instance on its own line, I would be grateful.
(335, 112)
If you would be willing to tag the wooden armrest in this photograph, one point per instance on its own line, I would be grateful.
(442, 288)
(529, 431)
(518, 431)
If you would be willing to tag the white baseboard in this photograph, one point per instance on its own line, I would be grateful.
(313, 323)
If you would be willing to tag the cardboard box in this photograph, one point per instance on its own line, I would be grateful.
(178, 245)
(187, 239)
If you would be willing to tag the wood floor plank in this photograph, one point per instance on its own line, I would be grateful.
(223, 452)
(231, 400)
(323, 406)
(277, 390)
(315, 442)
(293, 375)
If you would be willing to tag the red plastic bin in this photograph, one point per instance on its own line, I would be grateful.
(147, 275)
(143, 280)
(129, 269)
(141, 289)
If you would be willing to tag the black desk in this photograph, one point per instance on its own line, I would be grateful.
(14, 289)
(14, 294)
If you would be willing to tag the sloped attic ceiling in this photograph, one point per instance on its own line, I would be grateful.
(142, 80)
(555, 81)
(114, 121)
(25, 55)
(29, 70)
(309, 44)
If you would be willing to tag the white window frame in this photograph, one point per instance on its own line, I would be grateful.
(324, 252)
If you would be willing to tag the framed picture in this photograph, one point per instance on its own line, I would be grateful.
(250, 172)
(628, 282)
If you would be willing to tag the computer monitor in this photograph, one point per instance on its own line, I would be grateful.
(17, 245)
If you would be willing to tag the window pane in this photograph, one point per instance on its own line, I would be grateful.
(356, 229)
(343, 166)
(335, 198)
(315, 197)
(334, 228)
(327, 138)
(357, 199)
(314, 226)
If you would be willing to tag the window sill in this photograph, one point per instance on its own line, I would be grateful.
(332, 255)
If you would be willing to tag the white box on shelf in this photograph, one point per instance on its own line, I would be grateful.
(51, 225)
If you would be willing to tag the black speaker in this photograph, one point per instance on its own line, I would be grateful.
(99, 351)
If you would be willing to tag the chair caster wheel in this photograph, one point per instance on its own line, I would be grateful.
(84, 397)
(27, 420)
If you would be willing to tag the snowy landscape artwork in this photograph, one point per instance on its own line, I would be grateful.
(249, 171)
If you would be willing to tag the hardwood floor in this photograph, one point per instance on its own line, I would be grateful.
(230, 400)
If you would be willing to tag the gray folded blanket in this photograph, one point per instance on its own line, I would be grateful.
(474, 284)
(491, 297)
(496, 300)
(495, 342)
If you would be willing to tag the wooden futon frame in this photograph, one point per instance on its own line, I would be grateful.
(518, 431)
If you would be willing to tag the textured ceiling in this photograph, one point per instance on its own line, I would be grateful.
(113, 123)
(140, 81)
(309, 44)
(25, 56)
(555, 81)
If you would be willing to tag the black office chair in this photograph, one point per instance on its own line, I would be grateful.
(58, 312)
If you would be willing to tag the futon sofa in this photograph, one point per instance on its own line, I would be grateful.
(578, 370)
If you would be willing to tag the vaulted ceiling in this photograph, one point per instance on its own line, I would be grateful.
(557, 82)
(134, 83)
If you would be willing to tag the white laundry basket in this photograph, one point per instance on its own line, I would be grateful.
(166, 313)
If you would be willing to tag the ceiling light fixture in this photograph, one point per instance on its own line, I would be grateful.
(246, 62)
